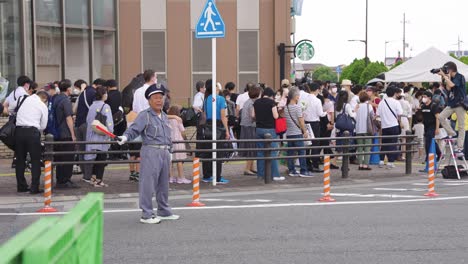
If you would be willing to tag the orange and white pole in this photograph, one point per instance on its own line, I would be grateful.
(47, 189)
(196, 184)
(431, 190)
(326, 181)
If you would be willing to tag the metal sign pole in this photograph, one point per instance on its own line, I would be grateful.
(213, 105)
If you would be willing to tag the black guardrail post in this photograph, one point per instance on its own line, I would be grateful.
(49, 148)
(409, 153)
(345, 160)
(268, 177)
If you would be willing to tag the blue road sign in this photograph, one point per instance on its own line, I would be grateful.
(338, 69)
(210, 24)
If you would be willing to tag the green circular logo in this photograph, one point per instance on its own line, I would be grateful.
(305, 50)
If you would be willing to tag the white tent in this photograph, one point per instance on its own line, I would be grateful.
(417, 68)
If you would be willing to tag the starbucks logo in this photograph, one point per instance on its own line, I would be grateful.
(305, 51)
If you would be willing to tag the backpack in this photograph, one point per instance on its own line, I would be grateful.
(52, 123)
(344, 122)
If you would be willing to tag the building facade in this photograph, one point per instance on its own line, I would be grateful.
(86, 39)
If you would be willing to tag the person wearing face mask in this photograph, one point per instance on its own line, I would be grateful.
(333, 93)
(98, 106)
(404, 119)
(430, 112)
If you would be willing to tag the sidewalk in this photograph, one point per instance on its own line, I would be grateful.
(116, 176)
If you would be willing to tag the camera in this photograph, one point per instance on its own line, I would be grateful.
(444, 69)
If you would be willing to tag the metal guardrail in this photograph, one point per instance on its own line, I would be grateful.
(267, 149)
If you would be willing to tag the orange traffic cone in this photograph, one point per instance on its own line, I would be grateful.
(196, 184)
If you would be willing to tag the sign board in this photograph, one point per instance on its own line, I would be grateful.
(338, 69)
(304, 50)
(210, 24)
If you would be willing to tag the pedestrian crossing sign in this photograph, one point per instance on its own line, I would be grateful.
(210, 24)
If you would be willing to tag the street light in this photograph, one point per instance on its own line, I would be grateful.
(365, 40)
(386, 42)
(365, 43)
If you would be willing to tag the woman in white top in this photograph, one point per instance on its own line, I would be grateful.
(404, 119)
(364, 127)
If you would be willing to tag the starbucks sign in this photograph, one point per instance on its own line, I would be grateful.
(304, 50)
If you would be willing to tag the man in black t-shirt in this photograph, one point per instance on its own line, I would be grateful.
(430, 113)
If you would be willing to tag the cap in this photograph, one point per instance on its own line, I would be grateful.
(285, 83)
(154, 89)
(346, 82)
(332, 84)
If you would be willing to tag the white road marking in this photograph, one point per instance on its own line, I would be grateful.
(384, 195)
(263, 206)
(237, 200)
(400, 189)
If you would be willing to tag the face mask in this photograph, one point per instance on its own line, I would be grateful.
(104, 97)
(76, 91)
(334, 90)
(424, 100)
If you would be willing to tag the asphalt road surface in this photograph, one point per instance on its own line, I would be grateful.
(370, 223)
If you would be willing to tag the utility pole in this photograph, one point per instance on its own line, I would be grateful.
(367, 9)
(404, 36)
(459, 49)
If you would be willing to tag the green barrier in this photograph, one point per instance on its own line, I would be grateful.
(12, 251)
(76, 238)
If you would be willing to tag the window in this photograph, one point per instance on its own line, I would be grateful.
(48, 11)
(76, 12)
(201, 61)
(77, 54)
(10, 45)
(154, 52)
(49, 56)
(104, 13)
(104, 54)
(248, 57)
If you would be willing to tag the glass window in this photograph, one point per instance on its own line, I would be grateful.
(154, 51)
(77, 54)
(48, 11)
(104, 13)
(245, 78)
(76, 12)
(10, 37)
(29, 37)
(49, 56)
(201, 54)
(104, 55)
(248, 51)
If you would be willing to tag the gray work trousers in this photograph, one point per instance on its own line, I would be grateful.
(154, 179)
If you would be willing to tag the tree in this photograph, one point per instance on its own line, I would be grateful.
(371, 71)
(354, 70)
(324, 73)
(396, 65)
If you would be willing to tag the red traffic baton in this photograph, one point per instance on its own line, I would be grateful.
(103, 130)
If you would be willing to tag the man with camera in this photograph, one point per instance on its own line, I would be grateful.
(455, 84)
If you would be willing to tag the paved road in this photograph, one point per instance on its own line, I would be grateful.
(389, 222)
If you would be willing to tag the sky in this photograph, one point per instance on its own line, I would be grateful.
(330, 24)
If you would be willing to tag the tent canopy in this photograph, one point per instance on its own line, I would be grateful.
(417, 68)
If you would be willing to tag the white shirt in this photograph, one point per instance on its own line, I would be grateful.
(419, 130)
(405, 105)
(198, 100)
(140, 102)
(33, 112)
(313, 109)
(354, 101)
(13, 98)
(386, 116)
(241, 99)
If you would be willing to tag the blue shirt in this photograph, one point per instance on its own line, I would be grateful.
(457, 93)
(220, 104)
(154, 130)
(82, 109)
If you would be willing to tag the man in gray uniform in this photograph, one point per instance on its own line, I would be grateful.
(153, 126)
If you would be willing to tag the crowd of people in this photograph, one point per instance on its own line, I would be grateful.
(306, 109)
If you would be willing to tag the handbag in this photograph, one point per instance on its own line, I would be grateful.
(370, 123)
(100, 119)
(7, 131)
(398, 120)
(280, 125)
(344, 122)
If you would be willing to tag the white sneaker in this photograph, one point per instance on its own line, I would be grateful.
(381, 164)
(279, 178)
(152, 220)
(390, 166)
(170, 217)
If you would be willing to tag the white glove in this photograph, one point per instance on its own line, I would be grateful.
(122, 140)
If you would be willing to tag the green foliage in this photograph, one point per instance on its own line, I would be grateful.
(464, 59)
(396, 65)
(324, 73)
(354, 70)
(371, 71)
